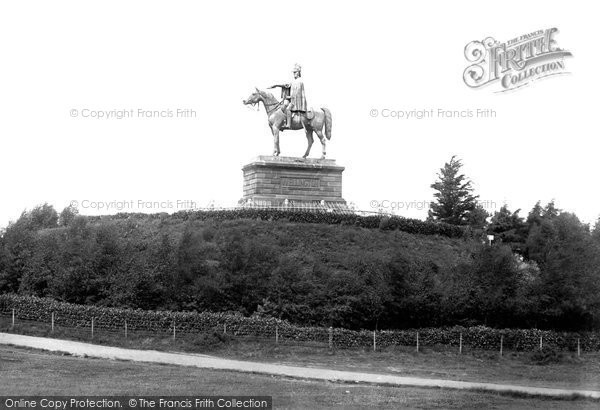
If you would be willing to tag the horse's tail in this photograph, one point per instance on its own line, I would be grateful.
(327, 122)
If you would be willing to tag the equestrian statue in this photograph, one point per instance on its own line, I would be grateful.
(291, 113)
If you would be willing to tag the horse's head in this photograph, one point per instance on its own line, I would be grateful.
(256, 97)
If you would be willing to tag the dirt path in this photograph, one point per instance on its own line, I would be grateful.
(210, 362)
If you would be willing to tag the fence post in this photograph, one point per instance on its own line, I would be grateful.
(417, 342)
(501, 344)
(374, 342)
(578, 348)
(460, 344)
(125, 329)
(330, 337)
(224, 328)
(52, 322)
(173, 329)
(541, 343)
(92, 327)
(13, 318)
(276, 334)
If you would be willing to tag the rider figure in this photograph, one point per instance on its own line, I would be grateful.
(292, 95)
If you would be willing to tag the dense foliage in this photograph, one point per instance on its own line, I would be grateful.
(356, 273)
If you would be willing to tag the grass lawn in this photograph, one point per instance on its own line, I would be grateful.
(30, 372)
(437, 362)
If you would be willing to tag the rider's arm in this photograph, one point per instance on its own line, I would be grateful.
(281, 85)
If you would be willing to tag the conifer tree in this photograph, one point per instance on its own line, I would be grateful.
(454, 199)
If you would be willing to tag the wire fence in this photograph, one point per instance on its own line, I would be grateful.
(459, 339)
(97, 328)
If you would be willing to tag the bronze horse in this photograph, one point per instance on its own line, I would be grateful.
(276, 117)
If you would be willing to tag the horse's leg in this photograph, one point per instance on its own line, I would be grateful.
(275, 124)
(323, 142)
(275, 141)
(309, 138)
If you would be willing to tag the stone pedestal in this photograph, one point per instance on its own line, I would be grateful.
(295, 182)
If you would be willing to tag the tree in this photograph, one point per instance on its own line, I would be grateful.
(477, 218)
(495, 288)
(550, 210)
(454, 199)
(77, 281)
(538, 228)
(596, 231)
(415, 300)
(247, 266)
(539, 213)
(162, 263)
(67, 215)
(373, 279)
(509, 228)
(494, 280)
(42, 265)
(569, 261)
(19, 242)
(5, 281)
(295, 293)
(535, 216)
(43, 216)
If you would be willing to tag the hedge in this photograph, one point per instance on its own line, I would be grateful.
(375, 221)
(385, 222)
(478, 337)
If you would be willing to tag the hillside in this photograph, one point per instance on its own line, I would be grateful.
(309, 268)
(309, 273)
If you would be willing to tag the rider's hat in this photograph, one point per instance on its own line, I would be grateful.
(297, 68)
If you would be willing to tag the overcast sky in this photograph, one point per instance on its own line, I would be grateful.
(58, 57)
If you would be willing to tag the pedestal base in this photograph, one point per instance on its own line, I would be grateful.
(295, 182)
